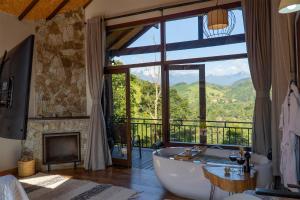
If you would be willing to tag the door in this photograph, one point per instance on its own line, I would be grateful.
(186, 100)
(118, 115)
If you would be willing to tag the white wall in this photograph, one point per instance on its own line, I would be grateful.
(12, 32)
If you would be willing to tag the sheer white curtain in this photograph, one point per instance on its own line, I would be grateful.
(98, 154)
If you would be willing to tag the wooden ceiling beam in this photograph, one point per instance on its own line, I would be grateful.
(57, 9)
(119, 43)
(28, 9)
(137, 36)
(87, 4)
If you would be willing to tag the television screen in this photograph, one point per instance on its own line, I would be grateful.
(15, 75)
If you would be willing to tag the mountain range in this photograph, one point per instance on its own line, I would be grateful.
(227, 80)
(188, 78)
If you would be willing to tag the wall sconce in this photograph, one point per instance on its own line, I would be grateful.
(289, 6)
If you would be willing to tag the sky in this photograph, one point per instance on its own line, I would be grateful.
(186, 30)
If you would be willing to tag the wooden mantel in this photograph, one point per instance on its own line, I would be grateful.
(59, 118)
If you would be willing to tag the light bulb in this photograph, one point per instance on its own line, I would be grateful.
(292, 7)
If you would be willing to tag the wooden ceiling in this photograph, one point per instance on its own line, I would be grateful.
(120, 39)
(40, 9)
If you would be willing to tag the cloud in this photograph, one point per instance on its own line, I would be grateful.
(230, 67)
(218, 68)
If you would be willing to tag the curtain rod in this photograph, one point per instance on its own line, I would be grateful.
(156, 9)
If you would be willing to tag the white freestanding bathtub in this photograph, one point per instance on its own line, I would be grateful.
(186, 179)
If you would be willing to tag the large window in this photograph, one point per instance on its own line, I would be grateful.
(195, 90)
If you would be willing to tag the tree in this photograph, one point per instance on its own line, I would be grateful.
(155, 79)
(118, 95)
(235, 138)
(179, 106)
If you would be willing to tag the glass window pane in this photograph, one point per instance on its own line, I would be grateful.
(182, 30)
(229, 102)
(207, 51)
(229, 95)
(184, 107)
(230, 92)
(117, 119)
(150, 37)
(146, 100)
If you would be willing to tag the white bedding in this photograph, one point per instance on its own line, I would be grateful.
(11, 189)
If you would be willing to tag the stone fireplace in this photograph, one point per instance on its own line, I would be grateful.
(58, 95)
(61, 148)
(37, 127)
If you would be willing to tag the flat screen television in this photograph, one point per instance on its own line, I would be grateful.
(15, 76)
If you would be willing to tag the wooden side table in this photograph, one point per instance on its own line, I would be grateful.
(234, 183)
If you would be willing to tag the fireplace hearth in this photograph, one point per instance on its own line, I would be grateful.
(61, 148)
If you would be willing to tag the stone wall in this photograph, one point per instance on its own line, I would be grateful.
(37, 127)
(58, 90)
(59, 71)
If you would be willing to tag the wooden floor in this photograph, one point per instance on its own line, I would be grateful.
(144, 162)
(140, 180)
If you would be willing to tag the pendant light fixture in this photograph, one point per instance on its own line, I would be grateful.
(289, 6)
(217, 19)
(218, 22)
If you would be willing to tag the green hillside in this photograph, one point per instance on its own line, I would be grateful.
(230, 103)
(224, 103)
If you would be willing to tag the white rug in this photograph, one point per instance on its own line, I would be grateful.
(45, 187)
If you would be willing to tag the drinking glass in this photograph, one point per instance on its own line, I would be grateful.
(233, 156)
(241, 162)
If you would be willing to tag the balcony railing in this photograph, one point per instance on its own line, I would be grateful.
(188, 131)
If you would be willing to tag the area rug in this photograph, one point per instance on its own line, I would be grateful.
(47, 187)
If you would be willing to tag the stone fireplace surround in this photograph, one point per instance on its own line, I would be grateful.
(37, 126)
